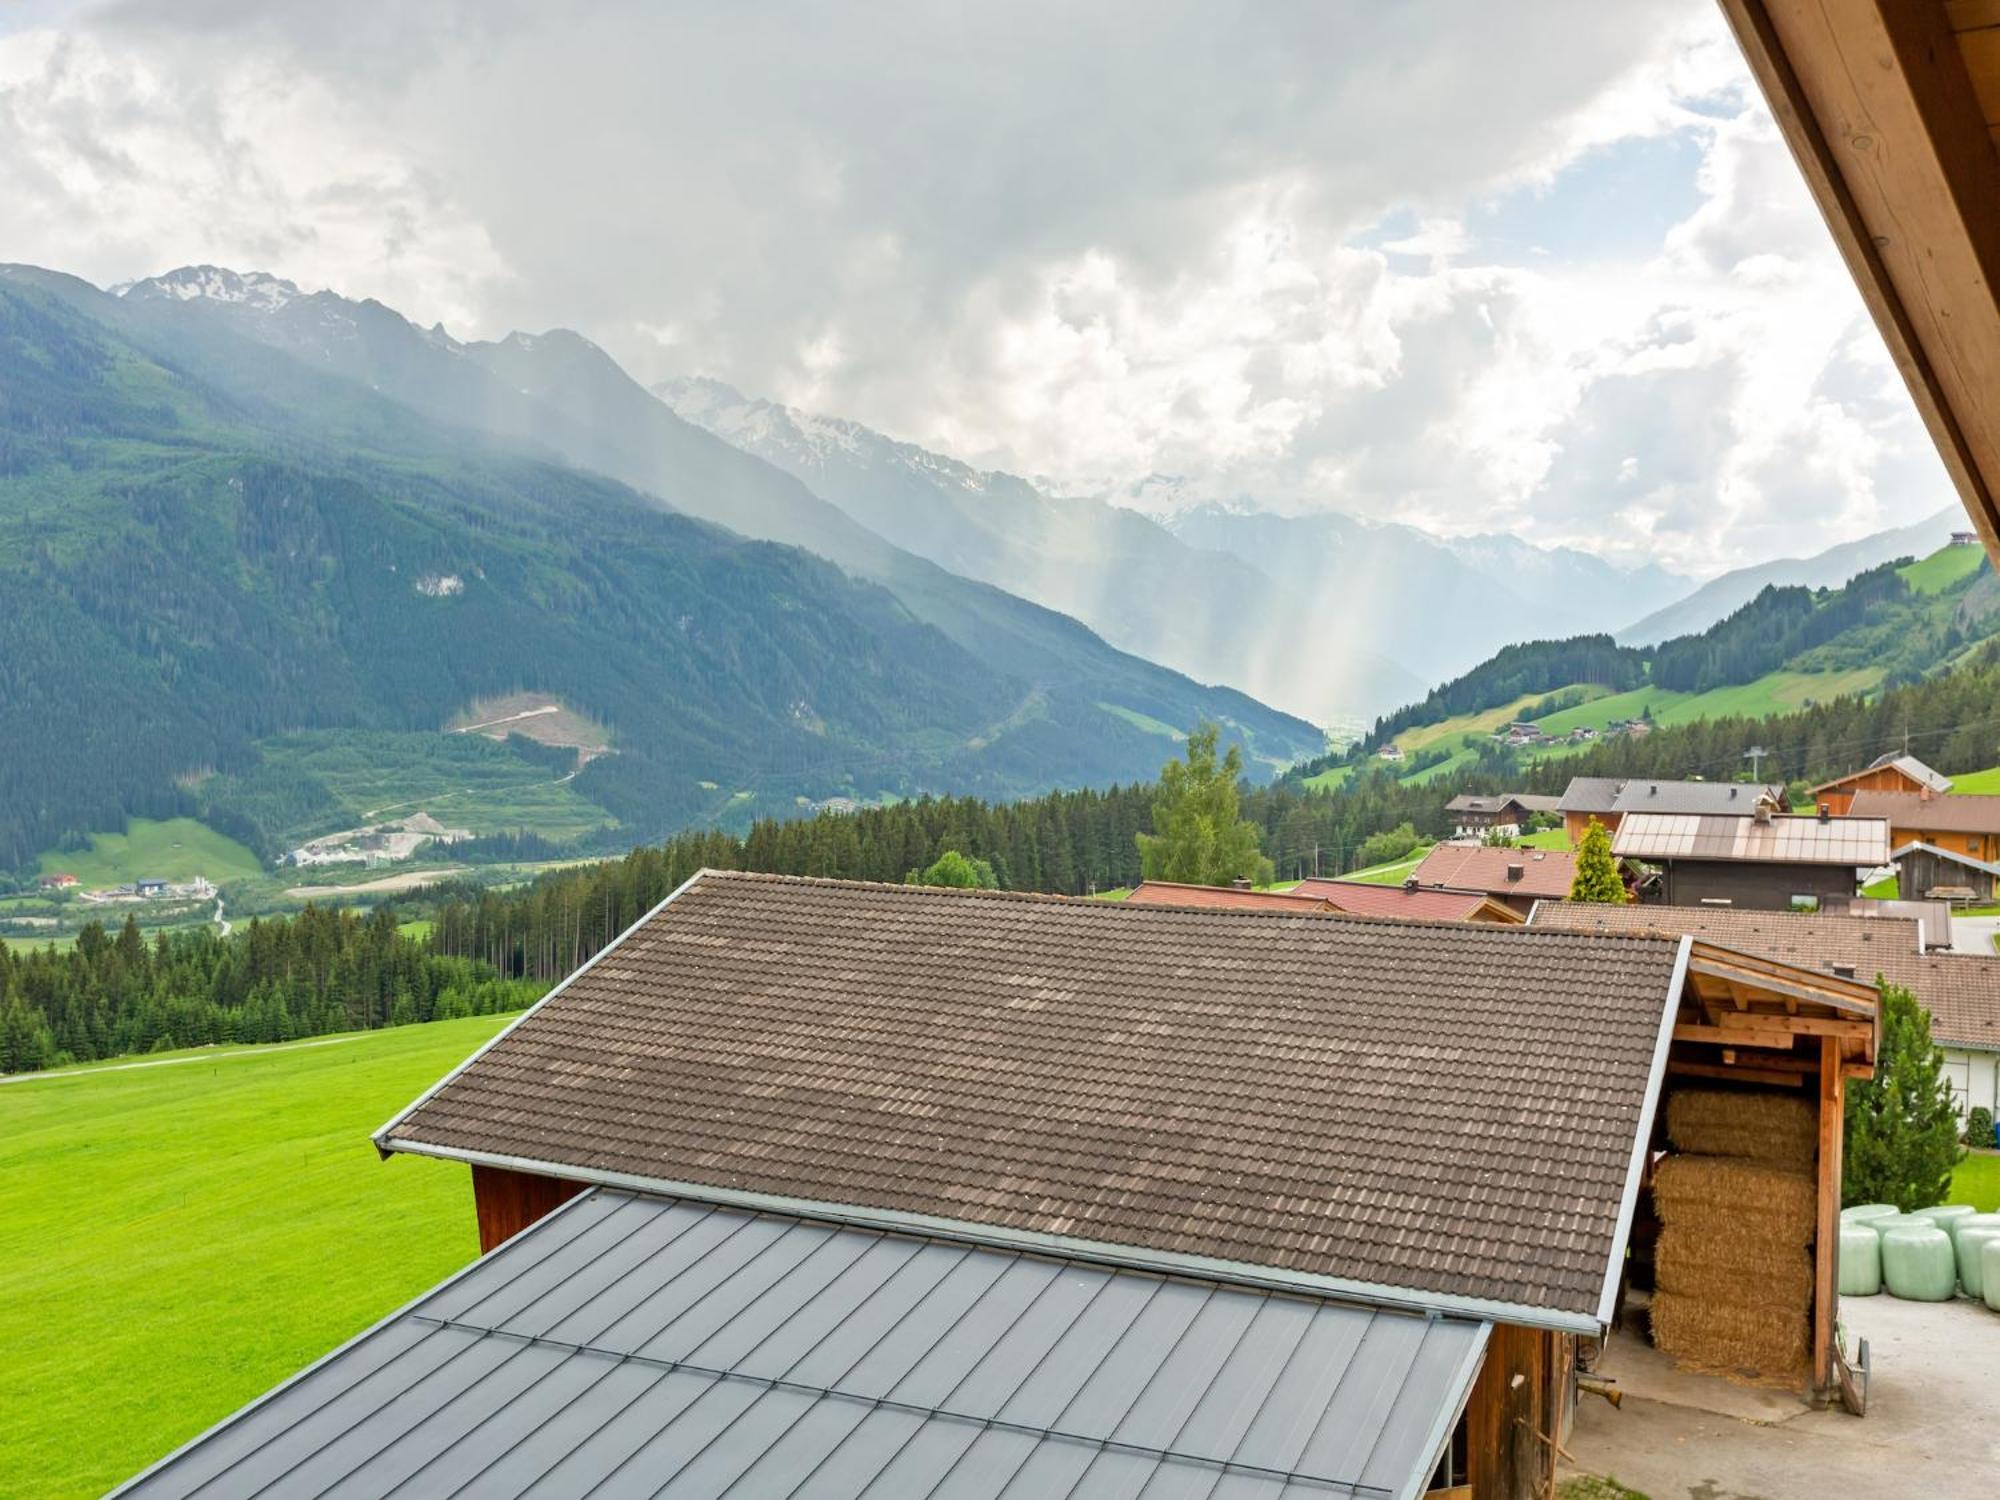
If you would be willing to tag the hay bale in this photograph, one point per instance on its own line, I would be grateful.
(1861, 1213)
(1728, 1338)
(1989, 1273)
(1777, 1130)
(1919, 1264)
(1972, 1233)
(1756, 1202)
(1947, 1216)
(1860, 1261)
(1712, 1259)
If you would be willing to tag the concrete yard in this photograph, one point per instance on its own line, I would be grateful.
(1932, 1429)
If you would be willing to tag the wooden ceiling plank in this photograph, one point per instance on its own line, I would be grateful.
(1969, 15)
(1980, 51)
(1902, 203)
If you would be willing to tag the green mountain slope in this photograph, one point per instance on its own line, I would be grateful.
(207, 546)
(1788, 648)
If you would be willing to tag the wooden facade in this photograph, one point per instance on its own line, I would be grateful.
(508, 1202)
(1750, 886)
(1837, 797)
(1921, 870)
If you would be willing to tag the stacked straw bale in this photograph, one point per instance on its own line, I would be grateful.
(1737, 1206)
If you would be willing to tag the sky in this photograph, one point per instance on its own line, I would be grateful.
(1533, 266)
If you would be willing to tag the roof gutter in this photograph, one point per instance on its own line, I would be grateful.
(1642, 1141)
(385, 1148)
(1002, 1237)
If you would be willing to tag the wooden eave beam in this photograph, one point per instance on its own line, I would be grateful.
(1876, 103)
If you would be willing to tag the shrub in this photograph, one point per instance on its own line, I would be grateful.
(1390, 844)
(1979, 1126)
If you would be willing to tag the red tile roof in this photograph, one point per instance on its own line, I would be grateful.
(1359, 898)
(1481, 867)
(1221, 898)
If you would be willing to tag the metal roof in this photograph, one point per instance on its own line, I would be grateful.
(1779, 840)
(630, 1345)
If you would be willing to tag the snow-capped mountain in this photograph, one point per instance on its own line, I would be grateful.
(254, 289)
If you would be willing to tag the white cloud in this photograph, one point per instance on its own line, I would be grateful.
(1253, 249)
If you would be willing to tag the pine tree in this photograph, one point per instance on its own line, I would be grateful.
(1596, 871)
(1199, 834)
(1902, 1132)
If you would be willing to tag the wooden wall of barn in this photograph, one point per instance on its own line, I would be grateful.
(508, 1202)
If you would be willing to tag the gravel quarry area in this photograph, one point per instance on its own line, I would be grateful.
(1932, 1429)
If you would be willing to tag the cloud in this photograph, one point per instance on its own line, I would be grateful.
(1410, 261)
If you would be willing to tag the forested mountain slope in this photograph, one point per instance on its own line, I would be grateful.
(1895, 623)
(205, 542)
(566, 397)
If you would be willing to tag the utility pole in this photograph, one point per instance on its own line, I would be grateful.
(1755, 755)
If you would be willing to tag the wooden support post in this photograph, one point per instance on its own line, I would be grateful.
(1826, 1235)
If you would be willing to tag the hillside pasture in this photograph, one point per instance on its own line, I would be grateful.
(1773, 693)
(1984, 783)
(1942, 569)
(180, 1238)
(175, 849)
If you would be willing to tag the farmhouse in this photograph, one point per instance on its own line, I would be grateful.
(1609, 798)
(1223, 897)
(57, 882)
(1359, 898)
(1947, 845)
(1507, 813)
(1961, 991)
(1515, 878)
(1886, 773)
(1757, 860)
(919, 1192)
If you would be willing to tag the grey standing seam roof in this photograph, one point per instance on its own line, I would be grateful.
(631, 1345)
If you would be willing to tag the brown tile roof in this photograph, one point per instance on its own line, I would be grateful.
(1360, 899)
(1477, 867)
(1961, 991)
(1221, 898)
(1449, 1109)
(1854, 840)
(1951, 814)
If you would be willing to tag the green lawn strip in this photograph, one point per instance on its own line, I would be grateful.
(1881, 890)
(1329, 779)
(178, 1239)
(1943, 568)
(176, 849)
(1984, 783)
(1977, 1181)
(1393, 872)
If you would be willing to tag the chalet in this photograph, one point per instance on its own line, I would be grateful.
(1390, 752)
(1507, 813)
(149, 887)
(1965, 539)
(1360, 898)
(1947, 845)
(1223, 898)
(1886, 773)
(1516, 878)
(1961, 991)
(1758, 860)
(908, 1191)
(1609, 798)
(57, 882)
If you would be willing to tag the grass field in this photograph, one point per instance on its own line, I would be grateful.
(176, 849)
(178, 1239)
(1977, 1181)
(1143, 722)
(1977, 783)
(1943, 568)
(1773, 693)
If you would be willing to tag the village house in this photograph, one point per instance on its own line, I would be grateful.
(1961, 991)
(1761, 860)
(1516, 878)
(1886, 773)
(57, 882)
(1361, 898)
(1607, 799)
(1507, 813)
(1947, 846)
(926, 1192)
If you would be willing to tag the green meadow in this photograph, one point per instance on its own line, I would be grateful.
(173, 849)
(181, 1237)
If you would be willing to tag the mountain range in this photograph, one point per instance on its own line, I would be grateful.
(1327, 616)
(231, 511)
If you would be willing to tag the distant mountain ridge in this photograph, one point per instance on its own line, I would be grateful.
(1725, 594)
(1243, 597)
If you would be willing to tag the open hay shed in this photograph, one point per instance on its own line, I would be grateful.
(1739, 1236)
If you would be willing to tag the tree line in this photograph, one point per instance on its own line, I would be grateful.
(270, 981)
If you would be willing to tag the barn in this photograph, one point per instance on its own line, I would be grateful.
(898, 1187)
